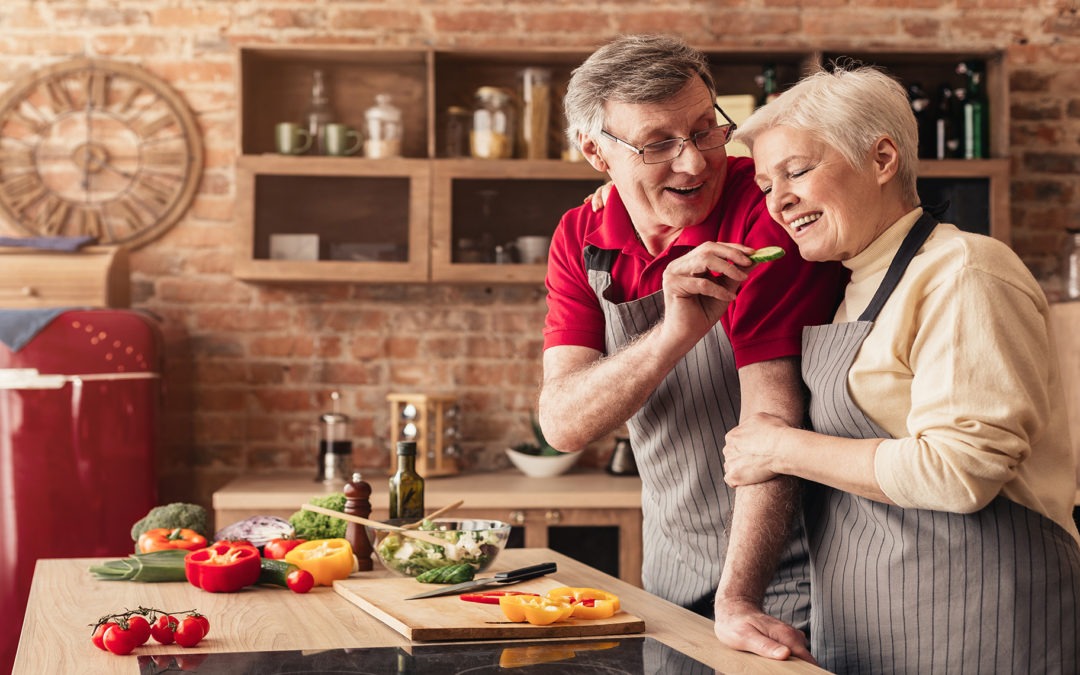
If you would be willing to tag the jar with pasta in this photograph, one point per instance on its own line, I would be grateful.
(536, 111)
(493, 128)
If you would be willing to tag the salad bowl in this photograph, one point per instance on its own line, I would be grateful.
(472, 541)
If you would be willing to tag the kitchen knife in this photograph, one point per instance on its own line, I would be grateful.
(500, 579)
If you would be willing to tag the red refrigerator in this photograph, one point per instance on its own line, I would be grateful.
(79, 402)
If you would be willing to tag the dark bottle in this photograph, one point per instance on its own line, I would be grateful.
(767, 81)
(946, 128)
(974, 109)
(924, 119)
(406, 486)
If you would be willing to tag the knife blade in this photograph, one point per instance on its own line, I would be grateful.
(500, 579)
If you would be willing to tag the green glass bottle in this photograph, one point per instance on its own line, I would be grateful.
(406, 486)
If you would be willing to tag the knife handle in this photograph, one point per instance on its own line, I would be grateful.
(524, 573)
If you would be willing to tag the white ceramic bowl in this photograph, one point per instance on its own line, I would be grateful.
(543, 466)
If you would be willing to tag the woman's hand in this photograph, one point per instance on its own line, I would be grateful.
(600, 196)
(751, 448)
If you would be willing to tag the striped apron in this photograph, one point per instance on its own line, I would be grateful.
(899, 590)
(677, 439)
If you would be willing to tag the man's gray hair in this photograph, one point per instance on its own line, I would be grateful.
(630, 69)
(849, 108)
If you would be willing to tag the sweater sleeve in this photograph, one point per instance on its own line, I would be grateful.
(978, 360)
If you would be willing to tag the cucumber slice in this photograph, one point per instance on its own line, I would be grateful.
(767, 253)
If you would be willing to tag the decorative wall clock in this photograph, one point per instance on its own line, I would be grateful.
(94, 147)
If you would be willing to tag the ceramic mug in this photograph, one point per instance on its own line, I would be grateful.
(532, 250)
(338, 137)
(292, 139)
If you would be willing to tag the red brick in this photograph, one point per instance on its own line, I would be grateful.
(375, 19)
(474, 21)
(282, 346)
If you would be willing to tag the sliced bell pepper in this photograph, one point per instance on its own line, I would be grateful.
(490, 597)
(534, 609)
(326, 559)
(224, 567)
(587, 603)
(164, 538)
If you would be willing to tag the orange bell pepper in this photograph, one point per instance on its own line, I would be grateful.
(587, 603)
(163, 538)
(534, 609)
(325, 559)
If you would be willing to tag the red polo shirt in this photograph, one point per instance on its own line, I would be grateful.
(767, 317)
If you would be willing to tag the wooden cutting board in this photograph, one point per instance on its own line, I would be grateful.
(450, 618)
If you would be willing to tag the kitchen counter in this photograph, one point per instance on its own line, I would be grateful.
(588, 498)
(64, 599)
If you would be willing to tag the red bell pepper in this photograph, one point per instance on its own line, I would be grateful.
(224, 567)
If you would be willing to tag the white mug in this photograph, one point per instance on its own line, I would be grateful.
(532, 250)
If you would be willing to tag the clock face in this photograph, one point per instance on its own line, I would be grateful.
(102, 148)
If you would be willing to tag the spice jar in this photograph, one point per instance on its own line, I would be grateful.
(384, 129)
(493, 129)
(458, 123)
(536, 111)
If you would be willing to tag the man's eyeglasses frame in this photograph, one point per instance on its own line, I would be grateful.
(651, 148)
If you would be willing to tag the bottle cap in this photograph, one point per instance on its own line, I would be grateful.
(406, 448)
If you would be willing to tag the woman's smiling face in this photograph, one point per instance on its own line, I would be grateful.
(831, 210)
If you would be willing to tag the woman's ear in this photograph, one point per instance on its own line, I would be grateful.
(886, 157)
(591, 151)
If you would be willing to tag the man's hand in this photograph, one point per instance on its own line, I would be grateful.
(698, 287)
(742, 625)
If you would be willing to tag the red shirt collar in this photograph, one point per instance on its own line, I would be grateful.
(614, 230)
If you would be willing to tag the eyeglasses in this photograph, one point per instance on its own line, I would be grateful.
(667, 150)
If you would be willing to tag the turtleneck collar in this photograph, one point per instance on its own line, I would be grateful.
(876, 257)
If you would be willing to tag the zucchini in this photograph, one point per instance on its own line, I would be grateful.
(275, 572)
(767, 253)
(448, 574)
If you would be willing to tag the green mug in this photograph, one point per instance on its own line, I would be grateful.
(292, 139)
(338, 138)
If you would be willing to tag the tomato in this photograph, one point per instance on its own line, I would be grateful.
(164, 628)
(189, 632)
(489, 597)
(276, 549)
(99, 634)
(204, 621)
(120, 640)
(300, 581)
(140, 627)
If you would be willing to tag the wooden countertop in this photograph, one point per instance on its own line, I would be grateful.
(580, 488)
(65, 598)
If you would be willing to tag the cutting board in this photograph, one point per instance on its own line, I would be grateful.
(450, 618)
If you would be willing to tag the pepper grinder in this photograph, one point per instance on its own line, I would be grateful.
(358, 503)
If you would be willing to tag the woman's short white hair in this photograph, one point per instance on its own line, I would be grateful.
(849, 108)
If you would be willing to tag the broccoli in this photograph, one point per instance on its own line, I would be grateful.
(310, 525)
(177, 514)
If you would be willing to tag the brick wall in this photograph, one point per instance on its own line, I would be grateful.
(251, 366)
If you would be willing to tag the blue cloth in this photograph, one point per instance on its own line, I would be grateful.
(49, 243)
(19, 326)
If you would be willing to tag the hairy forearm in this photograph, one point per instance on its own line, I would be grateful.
(584, 398)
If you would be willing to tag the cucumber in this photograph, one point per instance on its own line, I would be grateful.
(275, 572)
(767, 253)
(448, 574)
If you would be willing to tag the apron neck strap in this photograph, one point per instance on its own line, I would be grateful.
(914, 240)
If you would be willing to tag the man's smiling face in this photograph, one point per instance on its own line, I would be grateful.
(675, 194)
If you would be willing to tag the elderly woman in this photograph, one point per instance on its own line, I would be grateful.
(940, 479)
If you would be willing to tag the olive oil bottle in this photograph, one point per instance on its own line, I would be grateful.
(406, 486)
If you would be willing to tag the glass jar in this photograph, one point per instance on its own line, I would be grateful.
(493, 128)
(536, 111)
(384, 129)
(458, 124)
(1070, 267)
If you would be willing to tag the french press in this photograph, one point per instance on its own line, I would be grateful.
(335, 446)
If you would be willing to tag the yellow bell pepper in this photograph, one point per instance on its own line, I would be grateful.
(325, 559)
(587, 603)
(534, 609)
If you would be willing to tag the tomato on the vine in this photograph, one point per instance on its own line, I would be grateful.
(99, 635)
(140, 627)
(300, 581)
(189, 632)
(164, 628)
(120, 640)
(204, 621)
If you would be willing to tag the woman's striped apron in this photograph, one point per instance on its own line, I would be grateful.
(677, 439)
(899, 590)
